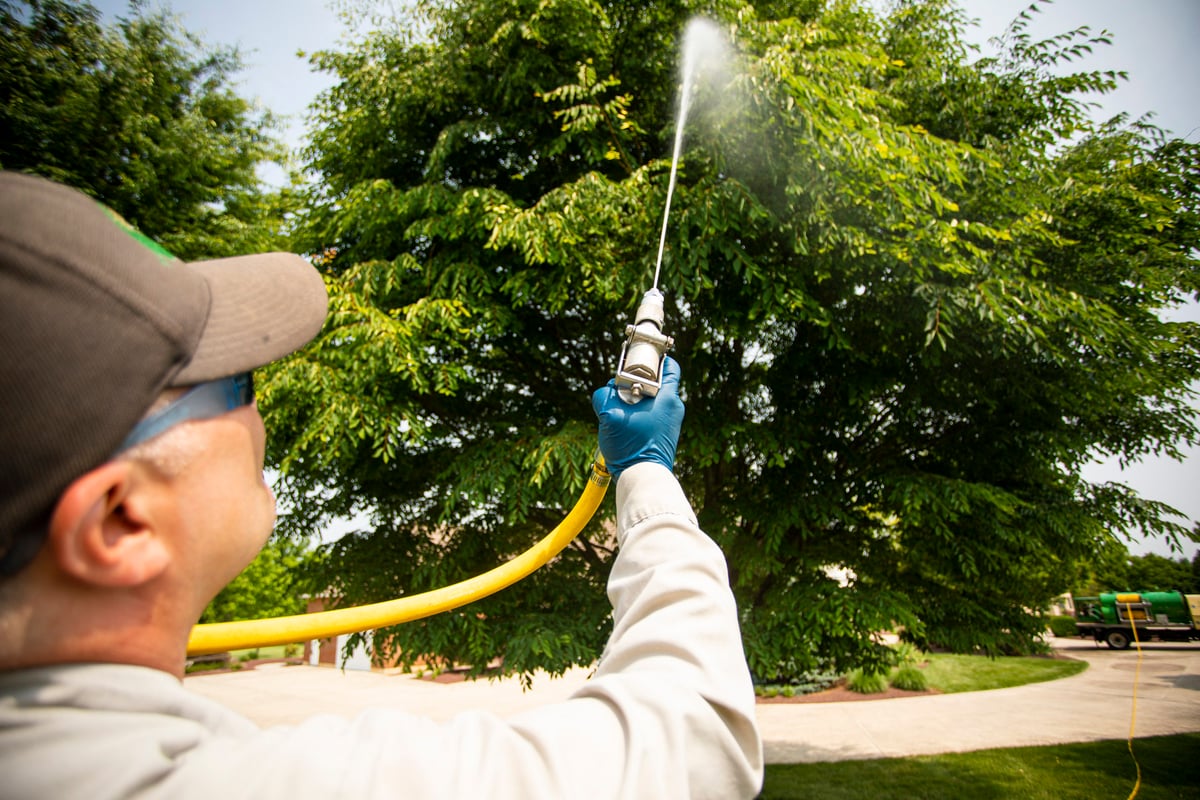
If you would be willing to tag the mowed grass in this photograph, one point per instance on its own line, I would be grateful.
(273, 651)
(948, 673)
(1170, 769)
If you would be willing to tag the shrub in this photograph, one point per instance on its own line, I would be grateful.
(804, 683)
(910, 678)
(866, 682)
(1063, 626)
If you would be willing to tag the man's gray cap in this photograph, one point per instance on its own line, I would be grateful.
(96, 320)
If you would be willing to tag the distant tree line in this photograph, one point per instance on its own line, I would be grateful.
(1118, 571)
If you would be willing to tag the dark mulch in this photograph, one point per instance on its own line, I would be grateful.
(840, 694)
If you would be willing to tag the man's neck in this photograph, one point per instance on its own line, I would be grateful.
(117, 628)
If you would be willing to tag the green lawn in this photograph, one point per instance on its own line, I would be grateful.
(950, 673)
(1170, 769)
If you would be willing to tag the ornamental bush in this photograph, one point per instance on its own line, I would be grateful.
(1063, 626)
(910, 678)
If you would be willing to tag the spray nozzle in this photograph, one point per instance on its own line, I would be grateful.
(639, 372)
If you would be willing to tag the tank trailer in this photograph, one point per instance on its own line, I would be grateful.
(1112, 617)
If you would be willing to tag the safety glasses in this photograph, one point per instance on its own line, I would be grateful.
(203, 401)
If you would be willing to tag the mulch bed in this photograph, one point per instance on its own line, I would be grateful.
(840, 694)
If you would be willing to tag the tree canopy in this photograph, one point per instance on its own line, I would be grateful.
(145, 118)
(912, 290)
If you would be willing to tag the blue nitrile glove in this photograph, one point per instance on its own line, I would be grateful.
(645, 431)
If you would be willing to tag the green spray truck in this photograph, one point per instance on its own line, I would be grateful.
(1113, 617)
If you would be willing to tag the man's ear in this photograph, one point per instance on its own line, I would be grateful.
(102, 531)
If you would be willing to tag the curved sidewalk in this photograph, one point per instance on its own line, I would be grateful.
(1096, 704)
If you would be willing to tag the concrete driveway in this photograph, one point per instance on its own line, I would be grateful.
(1096, 704)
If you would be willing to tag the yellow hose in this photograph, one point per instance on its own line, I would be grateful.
(221, 636)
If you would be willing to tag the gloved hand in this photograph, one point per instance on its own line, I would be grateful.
(645, 431)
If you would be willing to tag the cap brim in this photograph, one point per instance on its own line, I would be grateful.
(263, 308)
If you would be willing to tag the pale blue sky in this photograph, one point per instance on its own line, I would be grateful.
(1153, 40)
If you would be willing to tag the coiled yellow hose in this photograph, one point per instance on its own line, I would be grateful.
(221, 636)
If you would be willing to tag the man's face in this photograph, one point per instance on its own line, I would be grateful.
(226, 509)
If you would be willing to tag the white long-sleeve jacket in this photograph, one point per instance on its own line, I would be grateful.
(669, 713)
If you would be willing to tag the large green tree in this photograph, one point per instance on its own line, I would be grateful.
(145, 118)
(912, 293)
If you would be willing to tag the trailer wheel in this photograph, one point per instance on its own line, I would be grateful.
(1117, 640)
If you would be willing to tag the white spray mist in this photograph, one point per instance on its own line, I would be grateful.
(706, 58)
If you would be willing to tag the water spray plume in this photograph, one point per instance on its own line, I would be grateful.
(704, 46)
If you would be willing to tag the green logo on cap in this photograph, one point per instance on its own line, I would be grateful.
(154, 247)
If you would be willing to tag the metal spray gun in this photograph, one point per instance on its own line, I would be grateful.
(640, 369)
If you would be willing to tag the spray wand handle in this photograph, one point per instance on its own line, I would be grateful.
(640, 369)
